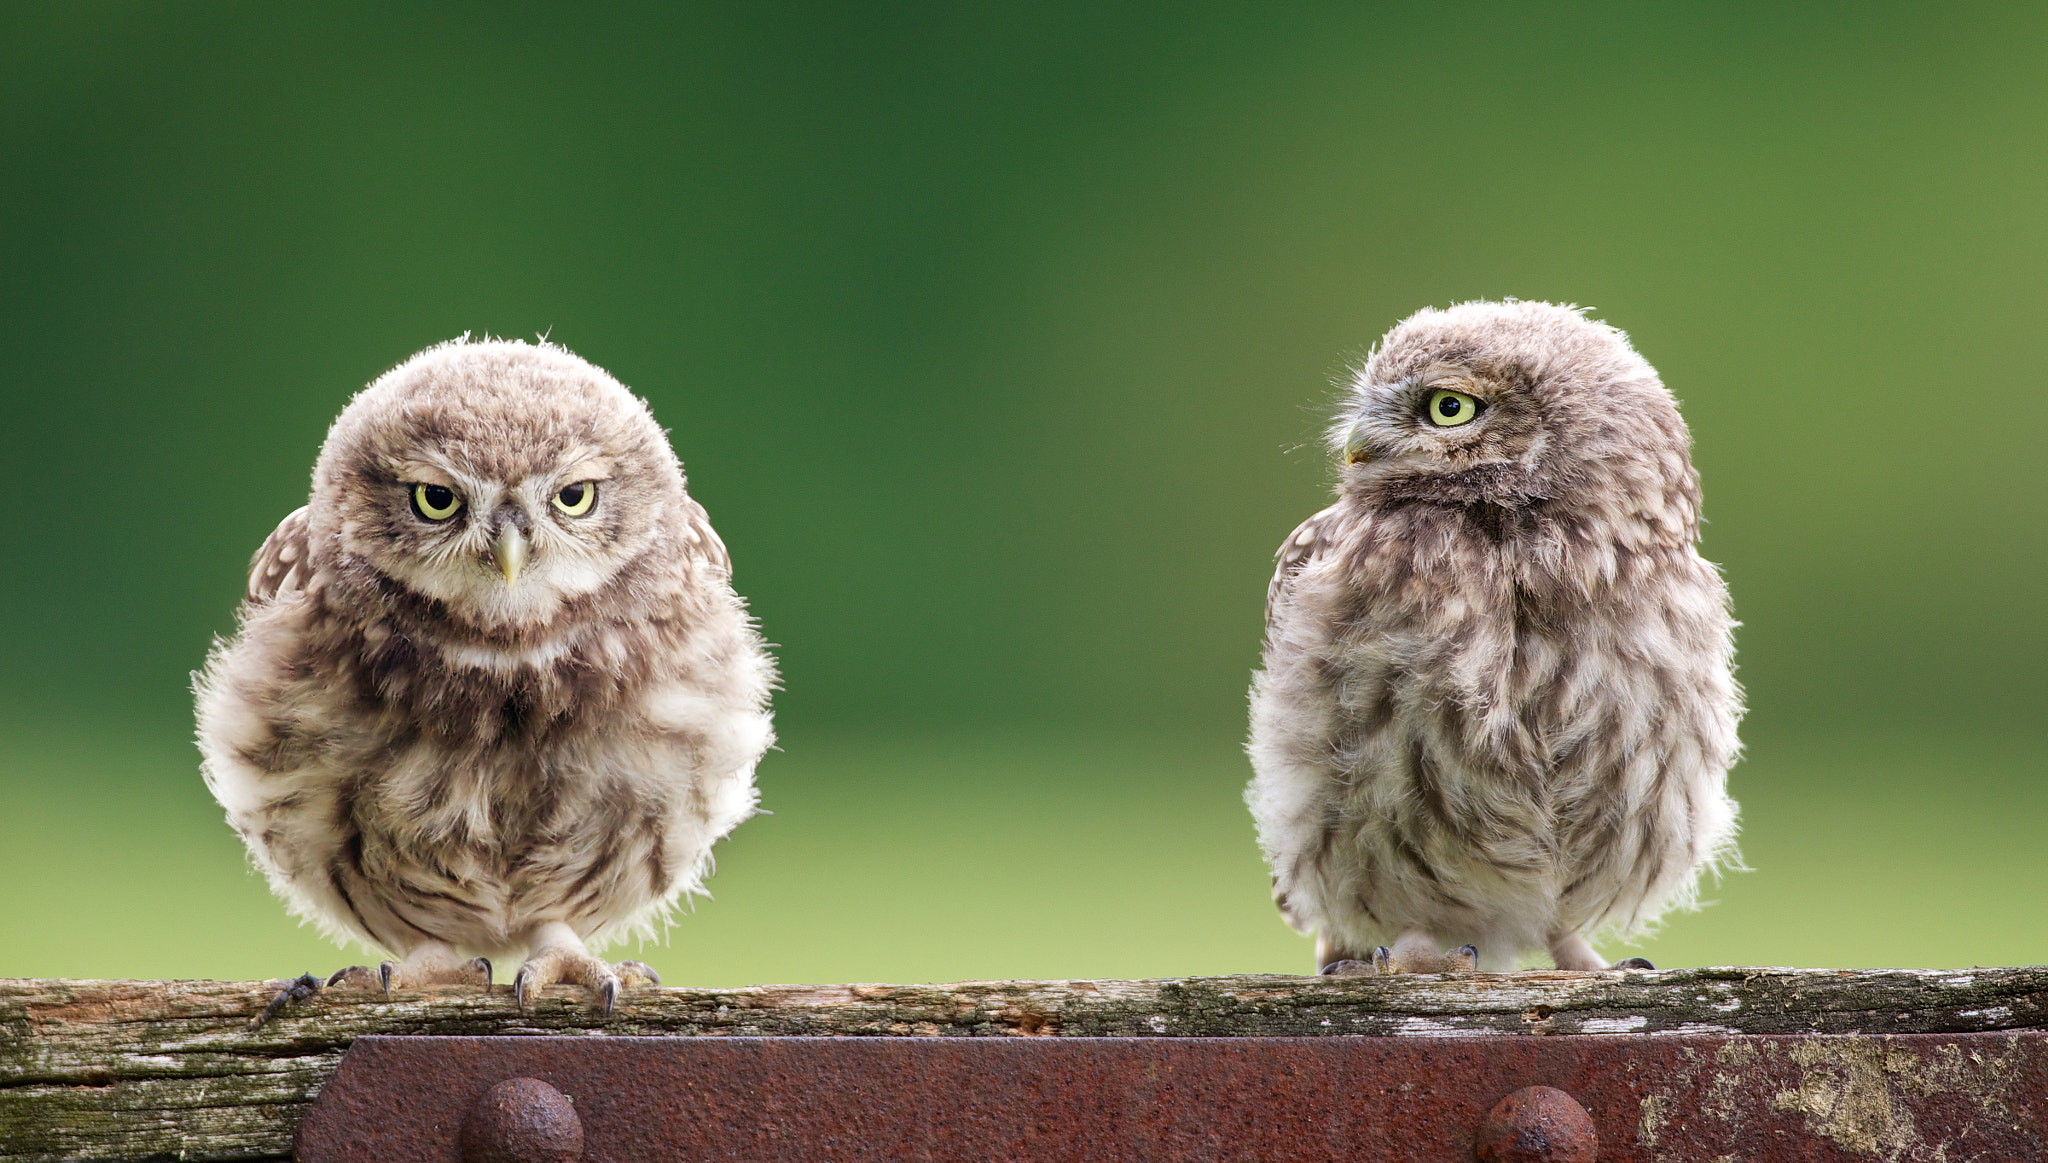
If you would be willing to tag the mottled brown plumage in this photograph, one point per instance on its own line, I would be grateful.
(492, 690)
(1497, 705)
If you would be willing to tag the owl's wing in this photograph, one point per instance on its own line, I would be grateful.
(280, 566)
(702, 538)
(1308, 539)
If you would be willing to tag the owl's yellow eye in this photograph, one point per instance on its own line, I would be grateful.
(435, 502)
(577, 499)
(1450, 409)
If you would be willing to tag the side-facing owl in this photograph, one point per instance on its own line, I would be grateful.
(492, 690)
(1497, 706)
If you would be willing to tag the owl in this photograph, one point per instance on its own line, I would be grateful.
(492, 691)
(1497, 706)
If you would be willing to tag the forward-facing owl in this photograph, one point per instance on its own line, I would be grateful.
(492, 691)
(1497, 707)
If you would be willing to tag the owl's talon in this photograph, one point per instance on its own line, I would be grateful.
(1633, 963)
(637, 969)
(557, 955)
(360, 977)
(300, 988)
(1349, 967)
(433, 963)
(1419, 952)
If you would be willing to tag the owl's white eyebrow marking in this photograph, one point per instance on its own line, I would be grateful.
(1441, 375)
(421, 472)
(581, 465)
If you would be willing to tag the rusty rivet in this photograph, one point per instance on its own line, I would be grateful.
(1538, 1124)
(522, 1120)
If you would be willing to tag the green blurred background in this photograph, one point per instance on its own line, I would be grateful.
(998, 339)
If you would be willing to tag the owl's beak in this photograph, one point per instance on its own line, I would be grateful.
(1356, 450)
(508, 549)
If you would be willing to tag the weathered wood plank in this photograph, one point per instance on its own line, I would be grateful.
(141, 1069)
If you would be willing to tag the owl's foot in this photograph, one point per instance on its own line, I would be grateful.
(559, 956)
(1463, 959)
(361, 977)
(1418, 952)
(434, 963)
(1571, 951)
(1415, 952)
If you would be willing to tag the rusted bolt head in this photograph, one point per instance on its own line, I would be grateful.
(1538, 1124)
(522, 1120)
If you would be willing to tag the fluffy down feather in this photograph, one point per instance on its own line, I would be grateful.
(418, 752)
(1497, 702)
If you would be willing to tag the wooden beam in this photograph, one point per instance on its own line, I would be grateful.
(171, 1069)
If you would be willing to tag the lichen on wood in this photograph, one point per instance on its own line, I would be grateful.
(172, 1069)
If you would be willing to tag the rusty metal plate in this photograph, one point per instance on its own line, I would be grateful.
(1275, 1100)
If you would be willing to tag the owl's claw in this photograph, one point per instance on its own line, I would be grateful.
(360, 977)
(525, 980)
(305, 985)
(1407, 956)
(1348, 967)
(1418, 952)
(637, 970)
(1633, 963)
(434, 964)
(559, 956)
(606, 981)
